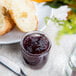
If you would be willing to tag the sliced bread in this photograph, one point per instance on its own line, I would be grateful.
(24, 15)
(6, 22)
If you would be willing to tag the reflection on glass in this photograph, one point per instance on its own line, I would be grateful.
(71, 66)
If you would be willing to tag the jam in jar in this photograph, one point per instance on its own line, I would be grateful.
(35, 49)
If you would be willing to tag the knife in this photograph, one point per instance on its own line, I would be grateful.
(11, 66)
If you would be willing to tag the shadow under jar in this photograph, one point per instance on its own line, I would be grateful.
(35, 49)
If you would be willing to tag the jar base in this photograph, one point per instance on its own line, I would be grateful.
(33, 65)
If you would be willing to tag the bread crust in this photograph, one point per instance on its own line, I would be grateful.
(8, 23)
(20, 13)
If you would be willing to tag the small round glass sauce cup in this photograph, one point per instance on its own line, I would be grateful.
(35, 61)
(71, 65)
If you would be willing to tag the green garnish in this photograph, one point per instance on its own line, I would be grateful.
(55, 4)
(68, 1)
(59, 3)
(68, 26)
(73, 9)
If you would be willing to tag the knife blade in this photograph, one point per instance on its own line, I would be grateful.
(11, 66)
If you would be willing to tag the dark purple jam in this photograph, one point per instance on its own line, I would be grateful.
(35, 51)
(36, 44)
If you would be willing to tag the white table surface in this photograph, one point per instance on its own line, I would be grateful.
(56, 63)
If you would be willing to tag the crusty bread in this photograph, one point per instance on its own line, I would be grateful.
(6, 23)
(23, 13)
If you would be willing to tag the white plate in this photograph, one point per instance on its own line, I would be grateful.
(15, 35)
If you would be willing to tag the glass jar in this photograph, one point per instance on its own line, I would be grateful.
(71, 66)
(32, 49)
